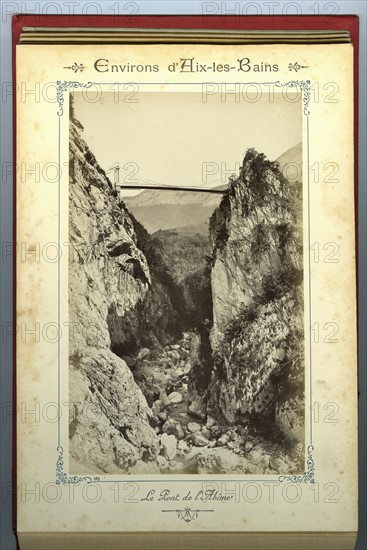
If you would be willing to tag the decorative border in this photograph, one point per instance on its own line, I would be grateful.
(308, 476)
(187, 514)
(62, 86)
(304, 85)
(61, 476)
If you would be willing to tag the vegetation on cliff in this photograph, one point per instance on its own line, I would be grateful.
(258, 361)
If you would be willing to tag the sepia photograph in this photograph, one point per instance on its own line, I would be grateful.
(186, 282)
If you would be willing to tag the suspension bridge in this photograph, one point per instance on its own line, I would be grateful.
(144, 183)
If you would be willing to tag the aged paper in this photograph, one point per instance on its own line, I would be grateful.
(100, 443)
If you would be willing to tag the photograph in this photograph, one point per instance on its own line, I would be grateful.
(186, 281)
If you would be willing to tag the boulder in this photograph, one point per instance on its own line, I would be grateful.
(162, 462)
(223, 440)
(182, 445)
(210, 422)
(253, 469)
(187, 366)
(243, 430)
(193, 427)
(174, 355)
(264, 461)
(206, 432)
(174, 467)
(217, 461)
(165, 401)
(156, 407)
(280, 466)
(257, 455)
(199, 440)
(175, 346)
(168, 446)
(184, 353)
(236, 446)
(175, 397)
(171, 426)
(144, 352)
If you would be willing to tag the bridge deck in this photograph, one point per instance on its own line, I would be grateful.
(172, 188)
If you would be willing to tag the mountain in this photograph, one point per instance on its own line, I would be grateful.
(152, 197)
(160, 210)
(290, 163)
(173, 216)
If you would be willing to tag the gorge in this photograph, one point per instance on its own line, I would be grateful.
(195, 362)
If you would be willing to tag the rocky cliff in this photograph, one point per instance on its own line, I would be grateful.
(183, 355)
(108, 275)
(257, 276)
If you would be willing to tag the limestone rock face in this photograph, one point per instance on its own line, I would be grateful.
(109, 423)
(257, 288)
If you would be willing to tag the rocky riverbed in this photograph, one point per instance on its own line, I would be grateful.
(190, 440)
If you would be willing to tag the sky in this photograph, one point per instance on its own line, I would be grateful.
(174, 138)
